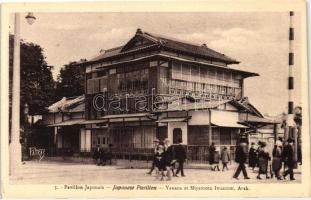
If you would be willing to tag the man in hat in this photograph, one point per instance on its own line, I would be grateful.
(288, 158)
(240, 158)
(156, 143)
(181, 156)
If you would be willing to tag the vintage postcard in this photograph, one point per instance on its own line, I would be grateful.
(155, 99)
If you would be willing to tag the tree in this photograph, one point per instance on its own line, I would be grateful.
(37, 84)
(70, 81)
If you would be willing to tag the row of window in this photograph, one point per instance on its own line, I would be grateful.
(200, 74)
(142, 73)
(202, 87)
(133, 85)
(236, 93)
(101, 73)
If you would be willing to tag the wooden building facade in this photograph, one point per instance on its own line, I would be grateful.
(157, 87)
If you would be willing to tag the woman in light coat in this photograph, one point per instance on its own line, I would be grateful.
(277, 159)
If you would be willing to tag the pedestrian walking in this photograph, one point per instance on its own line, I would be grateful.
(253, 156)
(155, 143)
(181, 156)
(109, 154)
(263, 160)
(102, 156)
(169, 158)
(159, 160)
(288, 158)
(277, 159)
(96, 155)
(225, 158)
(211, 155)
(216, 159)
(240, 158)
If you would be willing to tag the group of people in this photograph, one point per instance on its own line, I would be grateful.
(168, 159)
(103, 156)
(261, 158)
(215, 156)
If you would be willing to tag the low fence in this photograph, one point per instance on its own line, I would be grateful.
(195, 153)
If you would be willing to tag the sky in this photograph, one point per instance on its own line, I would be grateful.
(259, 40)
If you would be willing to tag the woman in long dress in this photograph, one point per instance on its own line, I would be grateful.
(253, 158)
(263, 161)
(211, 156)
(277, 159)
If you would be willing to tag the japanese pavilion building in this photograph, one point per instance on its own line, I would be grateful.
(157, 87)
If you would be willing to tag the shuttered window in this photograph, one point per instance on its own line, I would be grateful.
(96, 85)
(89, 86)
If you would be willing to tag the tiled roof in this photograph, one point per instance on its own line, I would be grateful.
(187, 47)
(68, 104)
(108, 53)
(169, 44)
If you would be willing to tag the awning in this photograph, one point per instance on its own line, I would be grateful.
(69, 122)
(248, 118)
(179, 119)
(226, 119)
(229, 124)
(97, 121)
(127, 115)
(135, 117)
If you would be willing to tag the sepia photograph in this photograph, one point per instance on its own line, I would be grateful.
(156, 102)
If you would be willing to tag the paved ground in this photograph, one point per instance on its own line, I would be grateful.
(73, 173)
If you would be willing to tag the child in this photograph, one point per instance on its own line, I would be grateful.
(159, 160)
(216, 159)
(225, 158)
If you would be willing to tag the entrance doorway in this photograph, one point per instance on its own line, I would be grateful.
(162, 133)
(177, 133)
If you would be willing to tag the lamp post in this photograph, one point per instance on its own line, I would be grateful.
(15, 146)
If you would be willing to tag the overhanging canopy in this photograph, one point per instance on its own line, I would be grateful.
(248, 118)
(179, 119)
(68, 122)
(226, 119)
(94, 121)
(135, 117)
(229, 124)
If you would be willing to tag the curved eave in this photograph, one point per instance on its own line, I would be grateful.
(245, 74)
(159, 47)
(226, 60)
(109, 58)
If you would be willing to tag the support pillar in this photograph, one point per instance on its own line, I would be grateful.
(292, 133)
(210, 127)
(15, 146)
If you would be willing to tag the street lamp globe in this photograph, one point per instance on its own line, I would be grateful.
(30, 18)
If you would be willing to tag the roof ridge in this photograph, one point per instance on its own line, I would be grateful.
(114, 48)
(159, 36)
(205, 47)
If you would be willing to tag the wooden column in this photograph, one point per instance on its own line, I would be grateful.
(275, 134)
(210, 127)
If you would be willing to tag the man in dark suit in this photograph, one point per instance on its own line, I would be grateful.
(156, 143)
(288, 158)
(96, 155)
(240, 158)
(168, 156)
(181, 156)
